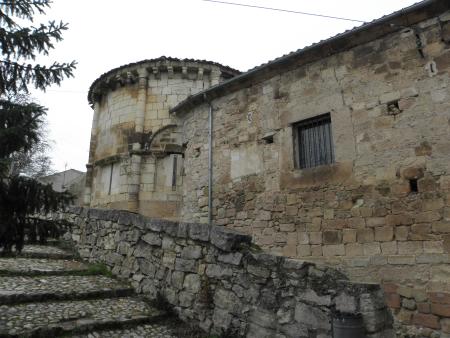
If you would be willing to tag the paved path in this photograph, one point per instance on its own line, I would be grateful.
(46, 293)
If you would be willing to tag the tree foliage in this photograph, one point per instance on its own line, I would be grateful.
(25, 196)
(19, 45)
(21, 120)
(36, 161)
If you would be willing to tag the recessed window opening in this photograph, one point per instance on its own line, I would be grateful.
(314, 142)
(413, 187)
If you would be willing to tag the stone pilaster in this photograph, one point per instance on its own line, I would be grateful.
(134, 183)
(141, 101)
(135, 160)
(92, 149)
(88, 185)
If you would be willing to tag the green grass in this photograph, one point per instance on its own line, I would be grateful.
(96, 269)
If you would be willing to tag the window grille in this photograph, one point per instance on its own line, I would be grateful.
(314, 142)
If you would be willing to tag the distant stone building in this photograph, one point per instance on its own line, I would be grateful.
(68, 180)
(338, 152)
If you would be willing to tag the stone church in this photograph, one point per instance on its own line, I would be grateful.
(338, 152)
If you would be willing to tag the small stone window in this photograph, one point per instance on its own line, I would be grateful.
(313, 142)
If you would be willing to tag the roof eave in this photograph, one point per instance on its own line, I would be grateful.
(105, 75)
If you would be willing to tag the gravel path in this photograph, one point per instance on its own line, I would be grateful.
(44, 250)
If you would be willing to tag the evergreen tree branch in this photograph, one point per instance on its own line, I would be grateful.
(15, 77)
(7, 21)
(23, 9)
(35, 162)
(22, 196)
(28, 42)
(20, 121)
(19, 126)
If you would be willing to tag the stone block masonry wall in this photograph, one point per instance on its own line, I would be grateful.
(381, 211)
(388, 191)
(412, 305)
(212, 277)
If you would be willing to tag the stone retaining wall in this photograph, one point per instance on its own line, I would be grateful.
(216, 278)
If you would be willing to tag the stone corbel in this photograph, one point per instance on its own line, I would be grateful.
(200, 73)
(156, 73)
(103, 88)
(120, 80)
(110, 84)
(97, 96)
(184, 73)
(142, 73)
(170, 72)
(215, 77)
(130, 78)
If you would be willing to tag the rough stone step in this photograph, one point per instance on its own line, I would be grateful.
(168, 328)
(45, 251)
(156, 330)
(54, 319)
(40, 266)
(22, 289)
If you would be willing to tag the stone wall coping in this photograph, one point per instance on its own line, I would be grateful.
(221, 237)
(225, 239)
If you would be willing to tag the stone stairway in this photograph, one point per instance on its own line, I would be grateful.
(46, 293)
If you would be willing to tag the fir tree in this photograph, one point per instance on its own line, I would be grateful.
(35, 162)
(20, 121)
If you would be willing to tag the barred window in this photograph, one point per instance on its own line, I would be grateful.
(313, 142)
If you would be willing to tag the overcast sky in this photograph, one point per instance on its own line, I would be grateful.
(104, 34)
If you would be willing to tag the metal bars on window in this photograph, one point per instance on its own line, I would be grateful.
(314, 142)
